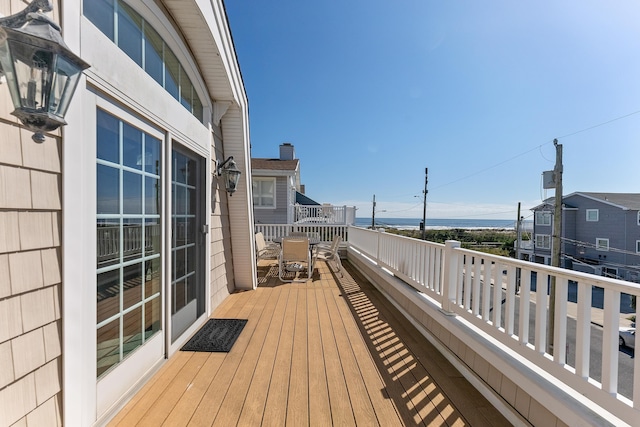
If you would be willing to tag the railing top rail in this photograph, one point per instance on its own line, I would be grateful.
(578, 276)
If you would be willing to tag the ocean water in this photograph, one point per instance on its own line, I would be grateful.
(442, 224)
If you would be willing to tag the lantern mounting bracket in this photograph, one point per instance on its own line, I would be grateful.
(20, 18)
(221, 165)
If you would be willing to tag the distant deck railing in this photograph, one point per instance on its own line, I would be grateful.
(324, 214)
(463, 282)
(324, 232)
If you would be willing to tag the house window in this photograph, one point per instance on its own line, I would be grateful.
(638, 246)
(543, 241)
(128, 244)
(543, 218)
(593, 215)
(602, 244)
(133, 34)
(638, 217)
(264, 192)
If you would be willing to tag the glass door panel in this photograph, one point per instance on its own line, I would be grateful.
(128, 236)
(187, 242)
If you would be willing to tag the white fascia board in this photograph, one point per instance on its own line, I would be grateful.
(212, 16)
(596, 199)
(257, 173)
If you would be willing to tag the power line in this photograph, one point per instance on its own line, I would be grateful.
(594, 246)
(538, 147)
(600, 124)
(491, 167)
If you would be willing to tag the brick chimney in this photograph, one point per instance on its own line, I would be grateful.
(287, 152)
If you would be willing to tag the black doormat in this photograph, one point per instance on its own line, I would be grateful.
(217, 335)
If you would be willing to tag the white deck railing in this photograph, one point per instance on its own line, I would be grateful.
(464, 283)
(325, 232)
(324, 214)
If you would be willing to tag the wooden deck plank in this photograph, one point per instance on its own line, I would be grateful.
(231, 406)
(230, 307)
(319, 408)
(369, 393)
(462, 400)
(403, 368)
(255, 402)
(331, 351)
(275, 410)
(208, 409)
(165, 403)
(433, 406)
(140, 403)
(341, 411)
(298, 401)
(181, 413)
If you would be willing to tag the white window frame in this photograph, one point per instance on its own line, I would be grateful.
(590, 212)
(543, 218)
(638, 246)
(265, 179)
(543, 241)
(602, 244)
(638, 217)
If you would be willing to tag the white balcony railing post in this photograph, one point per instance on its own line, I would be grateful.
(378, 243)
(450, 275)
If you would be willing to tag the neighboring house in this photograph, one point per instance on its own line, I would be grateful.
(600, 234)
(276, 187)
(116, 239)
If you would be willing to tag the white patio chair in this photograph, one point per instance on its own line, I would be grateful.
(330, 254)
(266, 250)
(327, 212)
(295, 257)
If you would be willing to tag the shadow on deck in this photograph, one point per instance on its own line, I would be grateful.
(331, 351)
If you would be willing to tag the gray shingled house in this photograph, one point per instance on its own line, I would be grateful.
(600, 234)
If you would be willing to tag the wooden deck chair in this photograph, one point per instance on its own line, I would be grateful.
(295, 257)
(266, 250)
(330, 254)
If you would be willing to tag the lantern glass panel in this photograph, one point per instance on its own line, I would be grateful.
(230, 179)
(7, 67)
(64, 84)
(32, 66)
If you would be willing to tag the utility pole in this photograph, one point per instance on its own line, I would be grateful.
(556, 239)
(518, 242)
(518, 231)
(373, 214)
(424, 207)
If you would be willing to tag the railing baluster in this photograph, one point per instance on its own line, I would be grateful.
(560, 322)
(583, 330)
(541, 312)
(525, 298)
(610, 341)
(497, 296)
(462, 260)
(509, 319)
(489, 273)
(473, 290)
(437, 283)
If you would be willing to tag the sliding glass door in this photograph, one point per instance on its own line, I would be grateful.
(187, 240)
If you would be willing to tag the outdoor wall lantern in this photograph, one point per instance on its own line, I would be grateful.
(230, 174)
(40, 70)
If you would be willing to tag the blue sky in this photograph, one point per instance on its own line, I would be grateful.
(373, 92)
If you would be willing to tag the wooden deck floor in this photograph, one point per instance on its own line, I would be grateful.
(331, 351)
